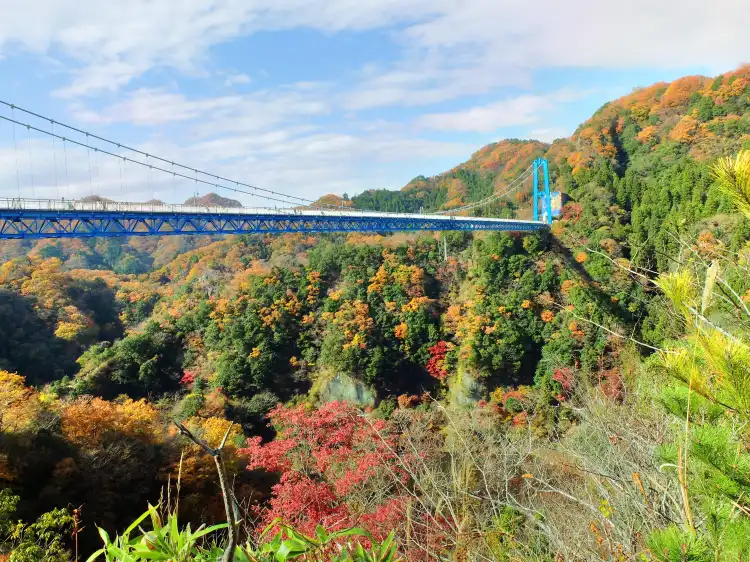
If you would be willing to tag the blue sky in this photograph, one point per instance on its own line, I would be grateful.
(310, 97)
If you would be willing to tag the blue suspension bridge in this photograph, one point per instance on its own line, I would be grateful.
(24, 217)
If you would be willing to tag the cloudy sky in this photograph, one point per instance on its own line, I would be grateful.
(309, 97)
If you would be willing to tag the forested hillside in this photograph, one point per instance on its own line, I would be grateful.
(576, 394)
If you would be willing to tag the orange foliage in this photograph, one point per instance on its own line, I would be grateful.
(678, 92)
(578, 161)
(647, 134)
(401, 331)
(607, 150)
(567, 285)
(685, 130)
(453, 203)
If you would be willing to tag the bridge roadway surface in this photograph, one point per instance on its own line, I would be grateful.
(53, 218)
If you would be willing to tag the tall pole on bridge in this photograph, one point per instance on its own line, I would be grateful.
(547, 194)
(547, 202)
(535, 197)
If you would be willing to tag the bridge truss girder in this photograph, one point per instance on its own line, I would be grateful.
(28, 224)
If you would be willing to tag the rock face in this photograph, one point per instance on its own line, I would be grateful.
(343, 388)
(465, 389)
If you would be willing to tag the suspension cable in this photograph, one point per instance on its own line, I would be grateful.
(15, 150)
(159, 169)
(122, 189)
(91, 186)
(31, 167)
(54, 156)
(125, 174)
(508, 189)
(98, 175)
(67, 178)
(164, 160)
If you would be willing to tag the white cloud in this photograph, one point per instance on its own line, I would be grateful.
(475, 46)
(548, 135)
(580, 33)
(153, 107)
(521, 110)
(255, 111)
(237, 79)
(451, 47)
(115, 44)
(518, 111)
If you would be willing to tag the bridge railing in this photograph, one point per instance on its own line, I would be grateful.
(115, 206)
(72, 205)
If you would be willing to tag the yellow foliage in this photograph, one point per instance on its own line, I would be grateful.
(85, 422)
(354, 319)
(416, 304)
(19, 404)
(68, 330)
(214, 429)
(335, 295)
(378, 281)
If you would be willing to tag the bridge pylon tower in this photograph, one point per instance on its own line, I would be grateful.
(547, 212)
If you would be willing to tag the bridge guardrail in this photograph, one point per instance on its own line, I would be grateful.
(63, 205)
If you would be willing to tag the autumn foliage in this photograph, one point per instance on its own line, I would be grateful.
(325, 457)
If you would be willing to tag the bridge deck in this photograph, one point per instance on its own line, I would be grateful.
(34, 218)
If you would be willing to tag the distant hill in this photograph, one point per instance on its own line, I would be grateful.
(488, 171)
(213, 200)
(695, 118)
(333, 200)
(96, 199)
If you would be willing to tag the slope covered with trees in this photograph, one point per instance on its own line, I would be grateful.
(575, 394)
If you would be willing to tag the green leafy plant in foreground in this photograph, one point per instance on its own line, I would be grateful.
(289, 544)
(164, 542)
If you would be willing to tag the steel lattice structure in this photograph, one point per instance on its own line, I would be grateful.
(34, 224)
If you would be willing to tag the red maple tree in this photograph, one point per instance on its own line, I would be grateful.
(329, 459)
